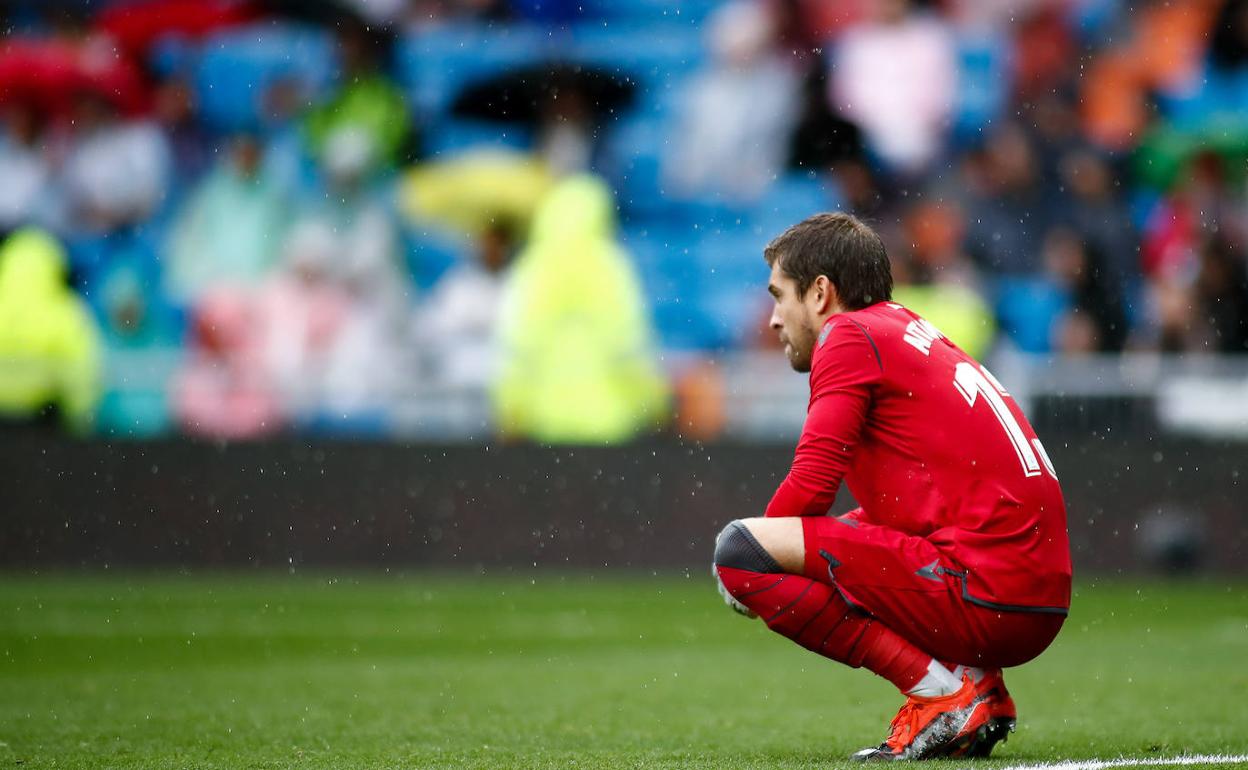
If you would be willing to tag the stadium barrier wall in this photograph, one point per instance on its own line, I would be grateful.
(1164, 503)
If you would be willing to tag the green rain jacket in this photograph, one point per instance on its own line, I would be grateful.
(371, 104)
(577, 365)
(49, 343)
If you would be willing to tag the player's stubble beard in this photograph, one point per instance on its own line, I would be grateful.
(799, 346)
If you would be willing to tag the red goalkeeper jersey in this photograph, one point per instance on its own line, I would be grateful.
(930, 444)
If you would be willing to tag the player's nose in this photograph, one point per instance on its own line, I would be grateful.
(775, 321)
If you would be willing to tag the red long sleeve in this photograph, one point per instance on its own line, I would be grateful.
(845, 367)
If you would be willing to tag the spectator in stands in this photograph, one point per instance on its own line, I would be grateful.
(566, 135)
(867, 195)
(805, 27)
(231, 227)
(1160, 50)
(427, 12)
(1094, 321)
(366, 343)
(457, 322)
(26, 196)
(355, 210)
(1199, 203)
(1222, 290)
(577, 364)
(136, 322)
(301, 313)
(223, 390)
(1053, 223)
(286, 162)
(367, 102)
(895, 77)
(1172, 251)
(1172, 325)
(379, 12)
(1045, 50)
(48, 339)
(738, 114)
(1052, 127)
(933, 277)
(118, 171)
(1228, 50)
(821, 139)
(1011, 211)
(190, 145)
(1094, 208)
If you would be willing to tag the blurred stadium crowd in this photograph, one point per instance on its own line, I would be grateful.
(320, 206)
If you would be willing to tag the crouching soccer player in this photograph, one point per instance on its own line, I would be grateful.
(957, 563)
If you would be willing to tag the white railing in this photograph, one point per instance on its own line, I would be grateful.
(766, 401)
(1197, 394)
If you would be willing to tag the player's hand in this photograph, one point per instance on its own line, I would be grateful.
(729, 599)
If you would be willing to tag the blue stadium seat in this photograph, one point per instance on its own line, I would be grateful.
(736, 313)
(1027, 307)
(792, 198)
(983, 86)
(436, 63)
(691, 12)
(704, 285)
(682, 324)
(663, 104)
(733, 280)
(663, 260)
(237, 67)
(655, 57)
(1214, 98)
(550, 12)
(631, 160)
(1096, 20)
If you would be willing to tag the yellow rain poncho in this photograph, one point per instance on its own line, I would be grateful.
(49, 343)
(577, 363)
(959, 313)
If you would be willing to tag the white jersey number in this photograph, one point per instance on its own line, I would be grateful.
(973, 381)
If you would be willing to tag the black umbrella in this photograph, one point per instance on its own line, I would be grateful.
(534, 93)
(362, 42)
(328, 13)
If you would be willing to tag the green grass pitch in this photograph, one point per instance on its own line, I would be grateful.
(550, 670)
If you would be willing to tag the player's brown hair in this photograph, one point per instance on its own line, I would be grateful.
(843, 248)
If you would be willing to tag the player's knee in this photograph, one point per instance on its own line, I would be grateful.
(736, 547)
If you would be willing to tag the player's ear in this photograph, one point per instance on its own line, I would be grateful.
(824, 295)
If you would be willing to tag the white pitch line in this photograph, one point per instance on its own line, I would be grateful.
(1099, 764)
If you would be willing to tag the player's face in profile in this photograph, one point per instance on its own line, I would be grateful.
(791, 318)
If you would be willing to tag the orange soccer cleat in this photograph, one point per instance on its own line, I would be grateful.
(949, 725)
(1002, 716)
